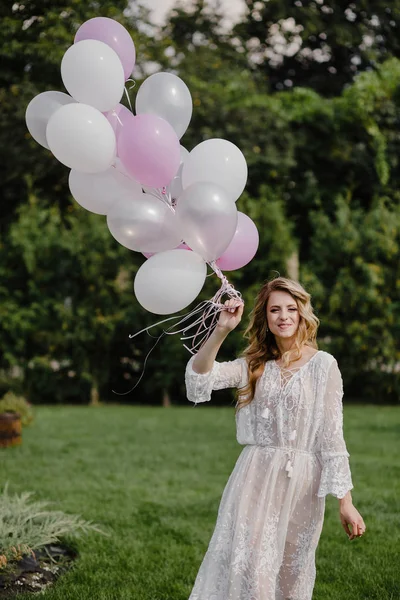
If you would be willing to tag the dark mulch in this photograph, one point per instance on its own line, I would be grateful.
(34, 574)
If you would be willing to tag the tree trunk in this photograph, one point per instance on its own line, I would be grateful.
(292, 266)
(94, 394)
(166, 402)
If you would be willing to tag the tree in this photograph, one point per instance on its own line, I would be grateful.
(67, 297)
(65, 282)
(311, 160)
(33, 39)
(355, 271)
(317, 44)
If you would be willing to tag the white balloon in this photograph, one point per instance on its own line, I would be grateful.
(39, 111)
(184, 154)
(207, 218)
(99, 192)
(93, 74)
(218, 161)
(81, 138)
(122, 174)
(167, 96)
(144, 224)
(169, 281)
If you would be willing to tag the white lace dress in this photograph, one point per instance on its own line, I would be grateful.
(272, 509)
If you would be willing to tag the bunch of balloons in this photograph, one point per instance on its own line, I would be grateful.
(176, 207)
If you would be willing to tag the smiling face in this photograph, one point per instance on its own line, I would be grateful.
(282, 314)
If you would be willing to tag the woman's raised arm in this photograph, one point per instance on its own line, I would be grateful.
(228, 320)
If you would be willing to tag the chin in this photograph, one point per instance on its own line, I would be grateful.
(285, 334)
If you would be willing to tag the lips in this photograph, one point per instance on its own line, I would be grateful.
(284, 326)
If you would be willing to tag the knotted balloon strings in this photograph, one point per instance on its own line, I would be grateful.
(163, 195)
(159, 193)
(209, 319)
(205, 316)
(206, 313)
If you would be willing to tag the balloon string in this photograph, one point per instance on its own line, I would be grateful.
(129, 100)
(133, 81)
(143, 370)
(188, 315)
(114, 113)
(147, 329)
(206, 318)
(211, 313)
(209, 309)
(164, 196)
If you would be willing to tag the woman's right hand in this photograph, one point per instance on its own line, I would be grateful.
(230, 316)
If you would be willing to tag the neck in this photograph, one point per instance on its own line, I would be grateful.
(284, 344)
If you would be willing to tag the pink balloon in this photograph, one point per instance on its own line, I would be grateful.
(118, 118)
(149, 150)
(114, 35)
(182, 246)
(243, 246)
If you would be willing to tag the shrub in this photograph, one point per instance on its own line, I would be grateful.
(17, 404)
(26, 526)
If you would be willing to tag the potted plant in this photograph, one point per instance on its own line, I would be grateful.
(15, 411)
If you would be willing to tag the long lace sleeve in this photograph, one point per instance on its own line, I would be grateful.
(336, 474)
(222, 375)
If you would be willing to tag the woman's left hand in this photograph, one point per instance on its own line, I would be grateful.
(349, 515)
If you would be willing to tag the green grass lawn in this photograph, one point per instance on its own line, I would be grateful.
(154, 477)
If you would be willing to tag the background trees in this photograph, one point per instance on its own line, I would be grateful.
(317, 44)
(323, 187)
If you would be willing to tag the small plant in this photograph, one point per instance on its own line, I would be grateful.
(11, 556)
(17, 404)
(27, 525)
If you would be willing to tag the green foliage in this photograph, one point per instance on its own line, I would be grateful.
(69, 299)
(65, 324)
(17, 404)
(355, 256)
(29, 524)
(34, 37)
(318, 45)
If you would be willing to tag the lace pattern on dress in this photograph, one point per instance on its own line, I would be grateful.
(336, 474)
(271, 513)
(200, 385)
(273, 402)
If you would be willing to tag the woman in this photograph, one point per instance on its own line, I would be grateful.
(289, 419)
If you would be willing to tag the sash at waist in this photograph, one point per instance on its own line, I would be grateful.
(285, 449)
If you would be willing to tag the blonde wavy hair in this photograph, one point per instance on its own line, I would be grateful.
(262, 344)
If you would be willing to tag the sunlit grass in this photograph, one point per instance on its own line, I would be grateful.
(154, 477)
